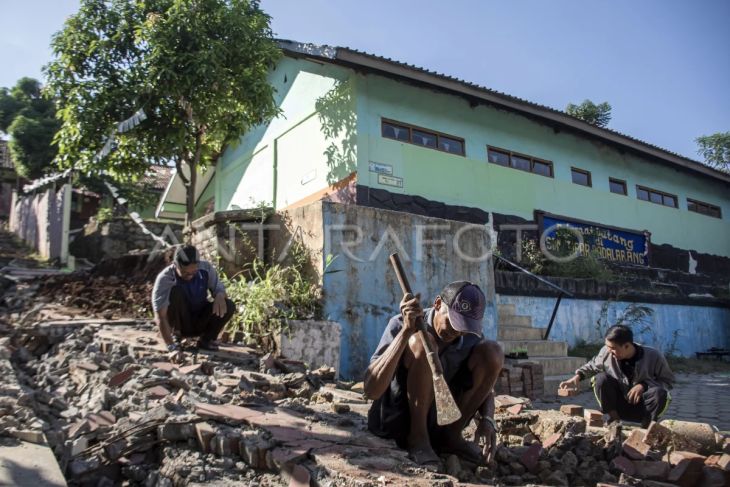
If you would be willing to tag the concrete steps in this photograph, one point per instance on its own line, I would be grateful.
(516, 331)
(519, 333)
(537, 348)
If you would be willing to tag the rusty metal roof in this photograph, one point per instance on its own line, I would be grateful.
(157, 177)
(480, 94)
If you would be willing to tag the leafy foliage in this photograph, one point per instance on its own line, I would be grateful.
(197, 67)
(30, 121)
(715, 150)
(583, 266)
(275, 294)
(588, 111)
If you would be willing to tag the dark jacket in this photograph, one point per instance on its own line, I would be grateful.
(651, 369)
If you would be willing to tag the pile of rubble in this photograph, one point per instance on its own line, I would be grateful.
(115, 411)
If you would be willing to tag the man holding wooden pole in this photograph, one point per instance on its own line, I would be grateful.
(401, 380)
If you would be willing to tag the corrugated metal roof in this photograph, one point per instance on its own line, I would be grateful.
(354, 57)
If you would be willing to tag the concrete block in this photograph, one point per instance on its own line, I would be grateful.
(657, 436)
(572, 409)
(537, 348)
(634, 446)
(519, 333)
(316, 343)
(30, 436)
(78, 445)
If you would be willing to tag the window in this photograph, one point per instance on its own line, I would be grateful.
(580, 176)
(704, 208)
(423, 137)
(656, 196)
(522, 162)
(617, 186)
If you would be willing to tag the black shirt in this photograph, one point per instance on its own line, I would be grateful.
(628, 365)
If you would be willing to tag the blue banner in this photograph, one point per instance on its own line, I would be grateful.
(614, 244)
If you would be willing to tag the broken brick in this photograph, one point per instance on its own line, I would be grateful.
(166, 366)
(712, 460)
(530, 457)
(300, 477)
(157, 392)
(634, 446)
(646, 469)
(204, 433)
(677, 456)
(657, 435)
(516, 409)
(567, 392)
(624, 465)
(714, 477)
(120, 378)
(572, 409)
(552, 439)
(687, 473)
(724, 462)
(189, 369)
(593, 417)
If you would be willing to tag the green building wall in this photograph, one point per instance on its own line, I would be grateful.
(472, 181)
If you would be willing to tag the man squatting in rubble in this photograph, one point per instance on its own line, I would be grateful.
(181, 305)
(399, 378)
(631, 381)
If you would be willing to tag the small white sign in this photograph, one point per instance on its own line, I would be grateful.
(390, 180)
(381, 168)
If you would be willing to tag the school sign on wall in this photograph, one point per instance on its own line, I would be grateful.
(610, 243)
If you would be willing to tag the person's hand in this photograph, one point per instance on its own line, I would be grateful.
(219, 305)
(486, 435)
(410, 308)
(571, 383)
(634, 395)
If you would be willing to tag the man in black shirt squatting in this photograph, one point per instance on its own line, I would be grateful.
(631, 381)
(399, 378)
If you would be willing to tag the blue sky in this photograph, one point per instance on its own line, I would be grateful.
(664, 65)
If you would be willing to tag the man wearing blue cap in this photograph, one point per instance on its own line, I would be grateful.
(399, 377)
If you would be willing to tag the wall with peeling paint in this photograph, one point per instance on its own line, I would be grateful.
(681, 330)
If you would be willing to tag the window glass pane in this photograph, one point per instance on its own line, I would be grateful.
(423, 138)
(669, 201)
(580, 177)
(497, 157)
(541, 168)
(715, 211)
(451, 145)
(655, 197)
(393, 131)
(691, 206)
(520, 163)
(617, 187)
(642, 194)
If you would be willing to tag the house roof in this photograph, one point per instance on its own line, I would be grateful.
(479, 94)
(157, 177)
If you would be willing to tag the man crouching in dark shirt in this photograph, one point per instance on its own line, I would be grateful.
(631, 381)
(399, 378)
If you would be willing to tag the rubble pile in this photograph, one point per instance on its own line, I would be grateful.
(115, 411)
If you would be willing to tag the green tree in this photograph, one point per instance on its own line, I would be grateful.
(29, 119)
(715, 150)
(198, 68)
(588, 111)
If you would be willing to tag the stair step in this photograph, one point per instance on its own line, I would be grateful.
(556, 365)
(538, 348)
(519, 333)
(515, 320)
(506, 309)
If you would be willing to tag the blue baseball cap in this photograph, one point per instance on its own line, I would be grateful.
(466, 304)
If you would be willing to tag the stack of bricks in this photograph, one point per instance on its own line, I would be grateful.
(533, 379)
(510, 381)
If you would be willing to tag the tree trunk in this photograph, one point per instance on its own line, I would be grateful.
(190, 200)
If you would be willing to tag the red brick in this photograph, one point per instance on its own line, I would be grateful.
(226, 411)
(189, 369)
(724, 462)
(652, 470)
(593, 417)
(299, 477)
(677, 456)
(530, 457)
(657, 435)
(687, 473)
(572, 409)
(634, 446)
(567, 392)
(120, 378)
(204, 432)
(166, 366)
(552, 439)
(624, 465)
(157, 392)
(515, 409)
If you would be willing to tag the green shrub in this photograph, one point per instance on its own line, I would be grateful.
(104, 215)
(274, 294)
